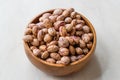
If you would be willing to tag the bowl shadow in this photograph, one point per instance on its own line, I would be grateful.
(91, 71)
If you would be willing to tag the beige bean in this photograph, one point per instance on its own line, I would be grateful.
(86, 38)
(60, 18)
(73, 14)
(47, 38)
(50, 60)
(69, 27)
(65, 13)
(79, 27)
(53, 18)
(35, 42)
(63, 51)
(73, 58)
(82, 44)
(65, 60)
(43, 48)
(36, 52)
(68, 20)
(27, 38)
(57, 12)
(80, 56)
(52, 31)
(63, 42)
(33, 47)
(28, 31)
(86, 29)
(52, 43)
(79, 33)
(85, 50)
(91, 35)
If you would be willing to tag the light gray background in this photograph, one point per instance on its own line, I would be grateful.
(104, 15)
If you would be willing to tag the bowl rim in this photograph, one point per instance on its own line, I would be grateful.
(73, 63)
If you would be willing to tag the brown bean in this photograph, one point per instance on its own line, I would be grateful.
(43, 48)
(70, 9)
(47, 23)
(78, 50)
(74, 22)
(72, 33)
(78, 16)
(62, 31)
(52, 48)
(72, 50)
(71, 40)
(55, 56)
(34, 30)
(40, 35)
(58, 24)
(45, 55)
(89, 45)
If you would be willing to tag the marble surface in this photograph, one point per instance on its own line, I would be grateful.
(103, 14)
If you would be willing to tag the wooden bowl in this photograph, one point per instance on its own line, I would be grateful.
(59, 69)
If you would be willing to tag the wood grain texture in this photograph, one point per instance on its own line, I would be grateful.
(59, 69)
